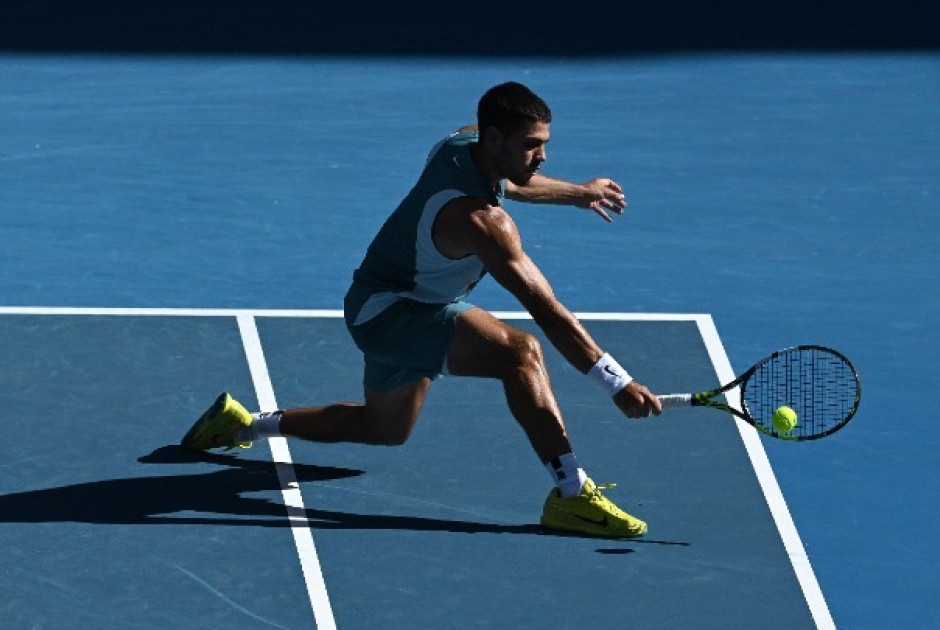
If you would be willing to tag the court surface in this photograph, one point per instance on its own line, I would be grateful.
(437, 533)
(168, 221)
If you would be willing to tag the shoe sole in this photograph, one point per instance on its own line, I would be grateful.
(593, 533)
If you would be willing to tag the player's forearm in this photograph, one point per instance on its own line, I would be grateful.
(569, 337)
(544, 189)
(560, 325)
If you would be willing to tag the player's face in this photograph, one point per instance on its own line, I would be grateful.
(522, 153)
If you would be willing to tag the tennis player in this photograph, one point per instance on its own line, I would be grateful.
(406, 311)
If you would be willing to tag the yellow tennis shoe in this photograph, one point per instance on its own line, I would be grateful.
(218, 427)
(590, 513)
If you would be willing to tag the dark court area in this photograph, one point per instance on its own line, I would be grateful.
(482, 28)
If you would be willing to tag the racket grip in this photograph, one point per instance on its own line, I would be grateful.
(670, 401)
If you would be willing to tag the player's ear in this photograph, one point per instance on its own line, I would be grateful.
(492, 138)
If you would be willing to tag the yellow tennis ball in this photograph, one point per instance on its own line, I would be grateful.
(784, 419)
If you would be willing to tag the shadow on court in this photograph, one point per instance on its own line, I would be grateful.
(148, 500)
(152, 501)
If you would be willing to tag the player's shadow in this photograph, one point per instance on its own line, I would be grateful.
(151, 500)
(214, 498)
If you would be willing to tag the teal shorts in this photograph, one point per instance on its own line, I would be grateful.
(406, 342)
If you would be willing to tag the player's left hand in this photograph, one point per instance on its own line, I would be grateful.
(603, 196)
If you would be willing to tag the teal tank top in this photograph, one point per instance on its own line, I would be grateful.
(402, 262)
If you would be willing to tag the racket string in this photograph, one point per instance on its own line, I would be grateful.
(816, 382)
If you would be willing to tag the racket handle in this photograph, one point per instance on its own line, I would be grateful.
(670, 401)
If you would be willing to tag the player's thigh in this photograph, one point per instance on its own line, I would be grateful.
(483, 345)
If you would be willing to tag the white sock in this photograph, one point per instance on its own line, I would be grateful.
(266, 424)
(567, 475)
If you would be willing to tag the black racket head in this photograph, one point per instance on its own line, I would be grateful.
(818, 383)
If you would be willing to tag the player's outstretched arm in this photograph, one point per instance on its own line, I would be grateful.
(601, 195)
(491, 234)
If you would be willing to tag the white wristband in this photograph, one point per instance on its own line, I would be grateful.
(609, 375)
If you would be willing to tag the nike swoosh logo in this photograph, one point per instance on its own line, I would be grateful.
(456, 161)
(602, 522)
(611, 371)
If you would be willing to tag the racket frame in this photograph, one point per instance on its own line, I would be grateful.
(709, 398)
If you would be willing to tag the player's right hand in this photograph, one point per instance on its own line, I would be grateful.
(636, 401)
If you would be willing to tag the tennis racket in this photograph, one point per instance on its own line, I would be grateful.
(820, 384)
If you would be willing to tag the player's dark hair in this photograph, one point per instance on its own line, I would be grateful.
(510, 107)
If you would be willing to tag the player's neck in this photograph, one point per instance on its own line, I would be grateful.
(486, 166)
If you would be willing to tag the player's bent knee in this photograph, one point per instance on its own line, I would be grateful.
(391, 435)
(399, 438)
(385, 431)
(390, 417)
(527, 350)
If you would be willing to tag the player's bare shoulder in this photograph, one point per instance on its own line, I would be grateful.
(493, 224)
(468, 225)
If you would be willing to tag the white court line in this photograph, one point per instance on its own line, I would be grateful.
(290, 489)
(326, 313)
(300, 525)
(167, 312)
(768, 482)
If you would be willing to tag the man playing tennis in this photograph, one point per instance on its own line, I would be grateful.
(406, 312)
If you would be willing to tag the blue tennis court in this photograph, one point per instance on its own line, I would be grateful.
(170, 221)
